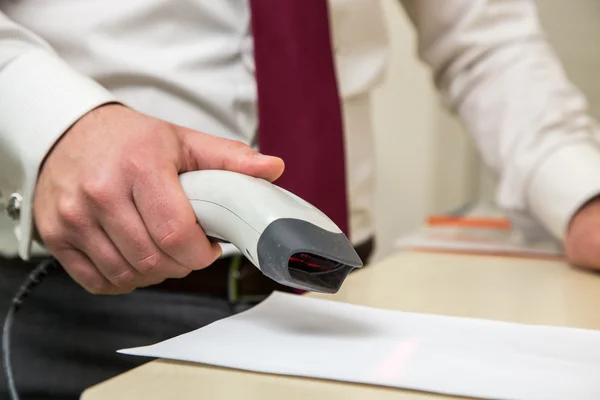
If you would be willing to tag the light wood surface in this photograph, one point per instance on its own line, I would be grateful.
(497, 288)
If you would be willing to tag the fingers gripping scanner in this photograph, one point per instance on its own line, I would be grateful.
(285, 237)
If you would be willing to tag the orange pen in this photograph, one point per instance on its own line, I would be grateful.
(468, 222)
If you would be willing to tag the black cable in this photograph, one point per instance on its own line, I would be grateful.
(32, 280)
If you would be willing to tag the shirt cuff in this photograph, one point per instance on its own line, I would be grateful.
(41, 97)
(564, 182)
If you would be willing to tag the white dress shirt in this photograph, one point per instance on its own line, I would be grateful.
(190, 62)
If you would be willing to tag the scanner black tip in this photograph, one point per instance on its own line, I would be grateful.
(299, 254)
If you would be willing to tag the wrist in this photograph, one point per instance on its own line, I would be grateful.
(42, 97)
(84, 116)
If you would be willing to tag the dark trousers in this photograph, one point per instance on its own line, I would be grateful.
(65, 339)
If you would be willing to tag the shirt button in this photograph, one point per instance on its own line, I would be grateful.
(13, 206)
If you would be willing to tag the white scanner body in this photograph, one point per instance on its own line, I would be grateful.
(285, 237)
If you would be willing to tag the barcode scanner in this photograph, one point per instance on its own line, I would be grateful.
(285, 237)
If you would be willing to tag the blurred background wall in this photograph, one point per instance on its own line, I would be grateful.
(414, 129)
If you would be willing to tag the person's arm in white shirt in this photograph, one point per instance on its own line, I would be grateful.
(40, 98)
(103, 179)
(494, 68)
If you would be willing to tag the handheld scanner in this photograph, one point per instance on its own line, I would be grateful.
(285, 237)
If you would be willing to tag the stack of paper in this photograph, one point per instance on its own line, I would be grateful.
(478, 234)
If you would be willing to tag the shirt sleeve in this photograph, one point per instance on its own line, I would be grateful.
(495, 69)
(40, 98)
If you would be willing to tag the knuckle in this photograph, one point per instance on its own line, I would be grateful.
(115, 269)
(236, 145)
(82, 272)
(157, 127)
(149, 263)
(50, 234)
(98, 191)
(124, 279)
(239, 148)
(54, 239)
(135, 166)
(241, 151)
(70, 211)
(171, 234)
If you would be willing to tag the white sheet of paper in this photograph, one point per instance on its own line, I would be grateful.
(301, 336)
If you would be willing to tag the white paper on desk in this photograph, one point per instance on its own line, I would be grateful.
(302, 336)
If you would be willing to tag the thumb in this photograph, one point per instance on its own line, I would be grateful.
(205, 151)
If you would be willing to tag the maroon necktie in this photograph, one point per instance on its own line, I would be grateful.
(299, 108)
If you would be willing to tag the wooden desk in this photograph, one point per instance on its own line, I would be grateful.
(505, 289)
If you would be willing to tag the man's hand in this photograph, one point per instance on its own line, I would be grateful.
(582, 243)
(109, 206)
